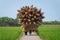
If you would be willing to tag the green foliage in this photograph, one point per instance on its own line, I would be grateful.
(52, 22)
(49, 32)
(10, 33)
(6, 21)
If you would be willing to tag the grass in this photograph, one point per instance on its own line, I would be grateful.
(10, 33)
(46, 32)
(49, 32)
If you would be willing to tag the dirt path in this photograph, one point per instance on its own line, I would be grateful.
(33, 36)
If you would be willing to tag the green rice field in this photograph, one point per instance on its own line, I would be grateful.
(46, 32)
(10, 33)
(49, 32)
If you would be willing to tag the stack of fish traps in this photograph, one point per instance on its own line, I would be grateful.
(30, 15)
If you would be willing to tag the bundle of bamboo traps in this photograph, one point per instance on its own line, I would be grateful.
(30, 15)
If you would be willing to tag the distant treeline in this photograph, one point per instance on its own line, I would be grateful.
(52, 22)
(6, 21)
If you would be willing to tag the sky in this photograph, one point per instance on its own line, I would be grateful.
(51, 8)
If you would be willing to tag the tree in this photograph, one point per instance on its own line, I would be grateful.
(6, 21)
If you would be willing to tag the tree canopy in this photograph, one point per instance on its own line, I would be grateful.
(6, 21)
